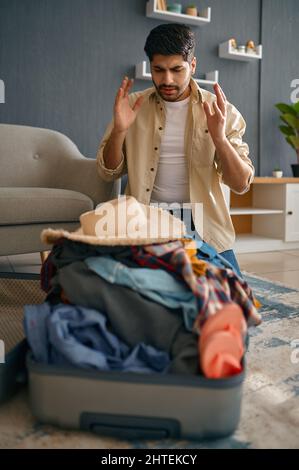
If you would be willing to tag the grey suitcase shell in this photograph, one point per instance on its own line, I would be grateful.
(134, 405)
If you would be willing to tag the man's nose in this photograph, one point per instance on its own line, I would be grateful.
(168, 79)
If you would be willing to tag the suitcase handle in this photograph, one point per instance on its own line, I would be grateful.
(130, 427)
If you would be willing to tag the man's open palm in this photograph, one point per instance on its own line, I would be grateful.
(217, 121)
(124, 114)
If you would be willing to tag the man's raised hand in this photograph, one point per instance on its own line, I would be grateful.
(124, 114)
(216, 122)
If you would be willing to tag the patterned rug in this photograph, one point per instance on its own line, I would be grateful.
(270, 405)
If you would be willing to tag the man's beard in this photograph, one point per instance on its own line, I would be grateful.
(173, 97)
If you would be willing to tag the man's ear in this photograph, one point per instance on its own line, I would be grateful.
(193, 65)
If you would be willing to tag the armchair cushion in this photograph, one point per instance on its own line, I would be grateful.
(20, 206)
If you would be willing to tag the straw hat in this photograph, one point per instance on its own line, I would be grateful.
(122, 221)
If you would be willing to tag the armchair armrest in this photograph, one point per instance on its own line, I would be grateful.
(80, 174)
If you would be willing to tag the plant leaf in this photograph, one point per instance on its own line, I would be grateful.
(296, 107)
(283, 119)
(286, 108)
(295, 141)
(287, 130)
(288, 139)
(291, 120)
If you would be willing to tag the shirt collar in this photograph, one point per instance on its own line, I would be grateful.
(195, 91)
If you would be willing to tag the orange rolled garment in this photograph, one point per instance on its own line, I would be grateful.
(221, 342)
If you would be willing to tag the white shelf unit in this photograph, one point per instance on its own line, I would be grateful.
(226, 51)
(201, 20)
(251, 243)
(274, 218)
(142, 74)
(253, 211)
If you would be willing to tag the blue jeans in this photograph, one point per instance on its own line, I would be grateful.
(229, 255)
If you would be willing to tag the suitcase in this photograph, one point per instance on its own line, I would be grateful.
(120, 404)
(135, 405)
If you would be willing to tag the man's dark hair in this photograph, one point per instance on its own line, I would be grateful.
(171, 39)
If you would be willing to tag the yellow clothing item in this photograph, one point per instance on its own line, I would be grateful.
(198, 265)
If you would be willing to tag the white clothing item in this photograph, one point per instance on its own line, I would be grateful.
(172, 181)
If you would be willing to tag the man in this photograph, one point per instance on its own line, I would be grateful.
(176, 141)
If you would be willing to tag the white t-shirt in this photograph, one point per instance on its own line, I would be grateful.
(172, 181)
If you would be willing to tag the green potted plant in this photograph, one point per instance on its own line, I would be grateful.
(277, 172)
(290, 129)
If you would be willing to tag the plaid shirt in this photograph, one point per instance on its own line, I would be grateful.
(213, 289)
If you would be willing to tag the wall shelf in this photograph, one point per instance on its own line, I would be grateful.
(142, 74)
(254, 211)
(153, 12)
(226, 51)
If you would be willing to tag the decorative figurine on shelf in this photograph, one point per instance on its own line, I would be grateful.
(175, 8)
(161, 5)
(250, 47)
(233, 43)
(191, 10)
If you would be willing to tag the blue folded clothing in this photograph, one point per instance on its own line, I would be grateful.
(65, 334)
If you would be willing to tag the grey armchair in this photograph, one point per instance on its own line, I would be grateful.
(44, 182)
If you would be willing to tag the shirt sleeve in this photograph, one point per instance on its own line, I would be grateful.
(107, 174)
(235, 129)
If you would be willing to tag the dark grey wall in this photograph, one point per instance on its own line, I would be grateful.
(280, 36)
(62, 62)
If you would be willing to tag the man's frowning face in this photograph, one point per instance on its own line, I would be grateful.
(171, 76)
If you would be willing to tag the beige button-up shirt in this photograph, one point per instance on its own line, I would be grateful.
(141, 154)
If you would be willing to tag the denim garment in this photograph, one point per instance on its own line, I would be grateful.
(226, 259)
(155, 284)
(229, 256)
(132, 317)
(205, 251)
(70, 334)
